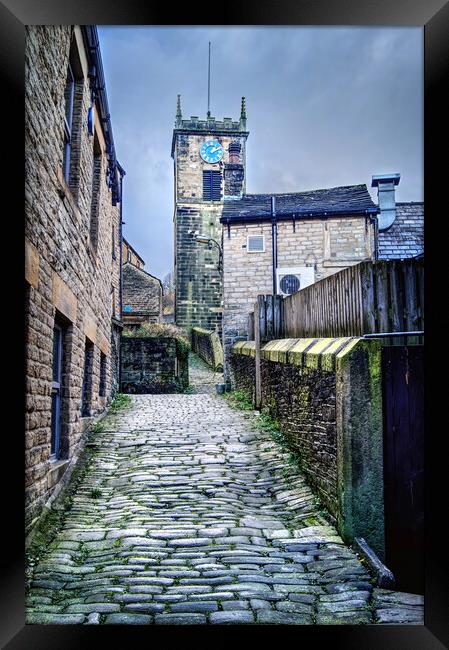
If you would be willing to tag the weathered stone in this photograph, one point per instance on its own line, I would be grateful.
(231, 618)
(128, 619)
(180, 619)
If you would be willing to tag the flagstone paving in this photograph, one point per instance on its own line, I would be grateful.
(188, 514)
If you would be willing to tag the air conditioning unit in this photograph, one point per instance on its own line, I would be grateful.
(292, 279)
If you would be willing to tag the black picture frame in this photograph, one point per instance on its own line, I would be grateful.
(433, 15)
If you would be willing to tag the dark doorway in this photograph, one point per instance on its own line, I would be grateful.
(86, 404)
(403, 402)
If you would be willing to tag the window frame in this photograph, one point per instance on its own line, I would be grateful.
(68, 121)
(253, 251)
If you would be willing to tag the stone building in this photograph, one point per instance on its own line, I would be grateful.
(400, 225)
(312, 235)
(209, 168)
(129, 254)
(142, 297)
(72, 243)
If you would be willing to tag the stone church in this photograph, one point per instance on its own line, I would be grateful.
(209, 166)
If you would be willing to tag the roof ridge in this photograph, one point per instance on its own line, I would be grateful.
(130, 264)
(321, 189)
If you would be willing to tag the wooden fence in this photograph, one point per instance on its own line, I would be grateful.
(270, 310)
(368, 298)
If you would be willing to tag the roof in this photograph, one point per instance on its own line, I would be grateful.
(134, 270)
(98, 89)
(348, 199)
(405, 237)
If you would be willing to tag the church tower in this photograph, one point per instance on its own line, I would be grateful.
(209, 169)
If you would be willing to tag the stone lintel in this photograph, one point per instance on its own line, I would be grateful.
(31, 264)
(103, 343)
(63, 298)
(90, 328)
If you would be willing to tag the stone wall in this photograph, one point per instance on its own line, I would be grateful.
(130, 255)
(327, 245)
(142, 296)
(72, 269)
(326, 396)
(208, 346)
(153, 364)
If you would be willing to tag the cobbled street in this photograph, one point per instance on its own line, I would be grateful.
(190, 514)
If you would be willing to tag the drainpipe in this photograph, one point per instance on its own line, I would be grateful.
(274, 241)
(122, 173)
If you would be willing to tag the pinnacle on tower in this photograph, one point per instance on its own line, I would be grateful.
(178, 112)
(243, 111)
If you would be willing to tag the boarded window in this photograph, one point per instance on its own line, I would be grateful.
(211, 185)
(256, 244)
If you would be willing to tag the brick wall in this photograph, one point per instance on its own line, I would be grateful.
(69, 280)
(153, 365)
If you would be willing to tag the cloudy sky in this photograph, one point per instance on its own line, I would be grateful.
(325, 107)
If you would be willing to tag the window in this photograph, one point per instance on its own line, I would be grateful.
(69, 96)
(129, 256)
(113, 242)
(95, 199)
(102, 389)
(113, 302)
(86, 401)
(73, 100)
(211, 185)
(56, 393)
(255, 244)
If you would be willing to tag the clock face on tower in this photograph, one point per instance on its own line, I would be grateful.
(211, 151)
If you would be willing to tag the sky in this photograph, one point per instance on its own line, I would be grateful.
(326, 106)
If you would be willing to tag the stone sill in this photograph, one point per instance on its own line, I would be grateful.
(56, 470)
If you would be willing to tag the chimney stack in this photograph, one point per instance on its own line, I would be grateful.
(234, 172)
(386, 184)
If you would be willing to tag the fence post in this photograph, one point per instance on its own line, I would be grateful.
(257, 309)
(251, 326)
(278, 328)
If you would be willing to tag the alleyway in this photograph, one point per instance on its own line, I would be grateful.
(190, 515)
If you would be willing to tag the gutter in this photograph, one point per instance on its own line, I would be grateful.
(99, 97)
(263, 216)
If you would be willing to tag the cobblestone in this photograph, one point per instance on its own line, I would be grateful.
(202, 522)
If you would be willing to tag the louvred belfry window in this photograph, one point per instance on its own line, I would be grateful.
(211, 185)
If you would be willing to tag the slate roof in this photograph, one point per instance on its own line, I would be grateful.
(349, 199)
(405, 238)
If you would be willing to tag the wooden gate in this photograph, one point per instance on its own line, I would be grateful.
(403, 403)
